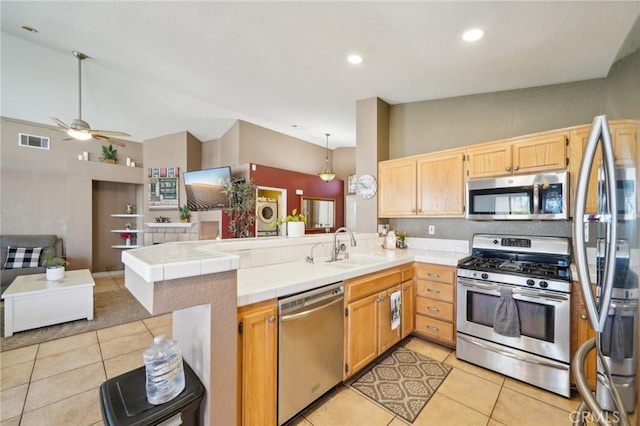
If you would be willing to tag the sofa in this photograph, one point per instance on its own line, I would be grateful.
(51, 246)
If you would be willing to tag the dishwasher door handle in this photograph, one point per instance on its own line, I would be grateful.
(310, 311)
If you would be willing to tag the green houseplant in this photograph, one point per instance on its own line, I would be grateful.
(109, 154)
(55, 267)
(185, 214)
(242, 211)
(295, 223)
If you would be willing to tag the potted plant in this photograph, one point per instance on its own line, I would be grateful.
(109, 154)
(295, 223)
(242, 211)
(55, 267)
(185, 214)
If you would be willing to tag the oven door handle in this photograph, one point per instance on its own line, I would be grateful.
(510, 355)
(544, 296)
(516, 291)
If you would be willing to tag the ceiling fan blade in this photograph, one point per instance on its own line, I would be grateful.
(60, 123)
(111, 141)
(108, 133)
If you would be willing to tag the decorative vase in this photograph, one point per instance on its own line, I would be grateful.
(127, 241)
(55, 274)
(295, 229)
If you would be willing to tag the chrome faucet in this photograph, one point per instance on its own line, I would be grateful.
(309, 258)
(336, 246)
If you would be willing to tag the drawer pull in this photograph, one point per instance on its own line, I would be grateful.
(583, 317)
(430, 327)
(432, 309)
(433, 275)
(271, 319)
(430, 290)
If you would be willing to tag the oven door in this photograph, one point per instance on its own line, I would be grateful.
(544, 317)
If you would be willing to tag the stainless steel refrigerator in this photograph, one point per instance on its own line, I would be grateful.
(606, 256)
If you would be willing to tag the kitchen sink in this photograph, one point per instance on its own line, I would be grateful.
(354, 261)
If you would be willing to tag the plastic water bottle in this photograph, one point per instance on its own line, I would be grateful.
(164, 370)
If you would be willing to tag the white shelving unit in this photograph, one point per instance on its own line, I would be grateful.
(136, 230)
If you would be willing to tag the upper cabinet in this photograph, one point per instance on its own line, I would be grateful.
(625, 141)
(428, 185)
(397, 187)
(526, 155)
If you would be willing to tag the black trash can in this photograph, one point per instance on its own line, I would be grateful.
(123, 401)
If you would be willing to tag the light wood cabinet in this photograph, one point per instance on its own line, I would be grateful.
(489, 160)
(435, 302)
(531, 154)
(408, 301)
(624, 135)
(429, 185)
(368, 331)
(440, 190)
(581, 331)
(257, 363)
(397, 187)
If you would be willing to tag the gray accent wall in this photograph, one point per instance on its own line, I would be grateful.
(429, 126)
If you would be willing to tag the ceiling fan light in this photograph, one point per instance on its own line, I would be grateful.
(79, 134)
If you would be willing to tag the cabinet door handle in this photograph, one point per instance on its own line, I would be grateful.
(430, 327)
(508, 169)
(431, 290)
(406, 289)
(583, 317)
(432, 309)
(271, 319)
(429, 274)
(516, 168)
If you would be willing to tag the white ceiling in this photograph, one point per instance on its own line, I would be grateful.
(158, 68)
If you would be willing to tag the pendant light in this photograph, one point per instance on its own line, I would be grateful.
(326, 174)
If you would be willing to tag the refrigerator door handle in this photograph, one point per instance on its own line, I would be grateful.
(599, 130)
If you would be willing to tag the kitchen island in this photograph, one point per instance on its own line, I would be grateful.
(204, 282)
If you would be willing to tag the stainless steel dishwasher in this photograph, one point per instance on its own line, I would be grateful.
(310, 347)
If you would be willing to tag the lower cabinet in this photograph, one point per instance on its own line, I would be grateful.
(581, 331)
(368, 317)
(435, 302)
(257, 363)
(408, 301)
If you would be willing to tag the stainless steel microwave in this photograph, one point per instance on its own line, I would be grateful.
(543, 196)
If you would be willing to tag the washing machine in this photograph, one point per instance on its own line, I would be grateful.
(266, 217)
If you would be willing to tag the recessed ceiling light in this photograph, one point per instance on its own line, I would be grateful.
(474, 34)
(354, 59)
(30, 29)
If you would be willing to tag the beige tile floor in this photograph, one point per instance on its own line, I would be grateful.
(57, 383)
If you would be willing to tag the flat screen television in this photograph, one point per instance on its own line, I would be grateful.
(205, 188)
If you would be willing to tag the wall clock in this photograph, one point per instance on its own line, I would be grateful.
(366, 187)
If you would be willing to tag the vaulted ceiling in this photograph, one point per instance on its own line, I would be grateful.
(157, 68)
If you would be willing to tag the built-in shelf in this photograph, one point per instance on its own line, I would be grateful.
(170, 224)
(123, 246)
(132, 231)
(125, 215)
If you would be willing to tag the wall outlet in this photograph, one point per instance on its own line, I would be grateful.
(299, 192)
(432, 229)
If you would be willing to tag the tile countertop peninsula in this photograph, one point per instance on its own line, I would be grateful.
(203, 282)
(271, 267)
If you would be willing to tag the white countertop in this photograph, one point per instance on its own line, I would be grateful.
(275, 267)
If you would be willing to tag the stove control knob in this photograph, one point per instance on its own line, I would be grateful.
(484, 276)
(544, 284)
(530, 282)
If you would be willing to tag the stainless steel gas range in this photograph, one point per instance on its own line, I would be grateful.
(513, 308)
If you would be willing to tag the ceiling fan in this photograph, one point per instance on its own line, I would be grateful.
(80, 129)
